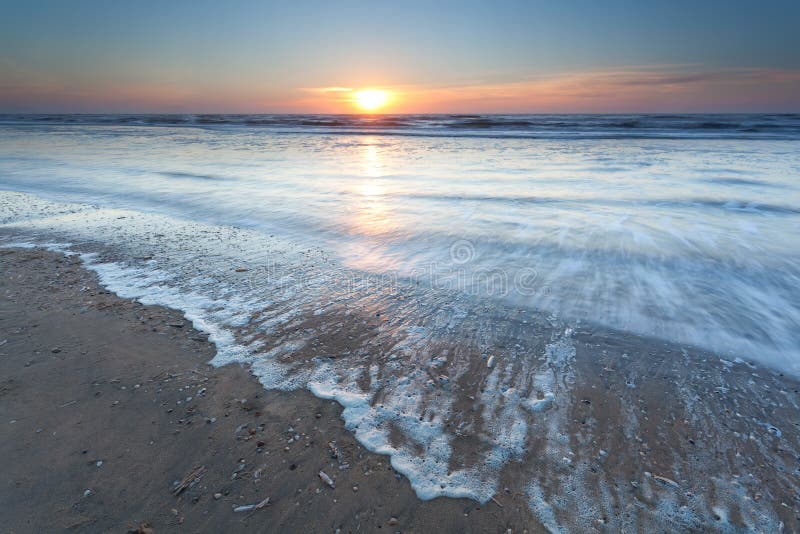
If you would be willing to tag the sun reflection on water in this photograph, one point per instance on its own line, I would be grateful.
(370, 212)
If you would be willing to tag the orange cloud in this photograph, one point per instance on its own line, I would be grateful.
(670, 88)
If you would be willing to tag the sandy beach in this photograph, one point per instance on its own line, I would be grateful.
(400, 267)
(105, 404)
(242, 327)
(108, 405)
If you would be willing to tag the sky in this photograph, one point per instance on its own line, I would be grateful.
(501, 56)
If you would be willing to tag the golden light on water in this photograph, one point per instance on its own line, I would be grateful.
(371, 99)
(369, 213)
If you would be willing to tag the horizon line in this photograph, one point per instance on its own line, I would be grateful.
(355, 114)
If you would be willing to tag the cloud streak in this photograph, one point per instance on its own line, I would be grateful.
(666, 88)
(632, 89)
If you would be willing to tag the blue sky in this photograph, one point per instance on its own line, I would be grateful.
(248, 56)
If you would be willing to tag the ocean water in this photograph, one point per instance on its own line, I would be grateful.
(412, 267)
(684, 228)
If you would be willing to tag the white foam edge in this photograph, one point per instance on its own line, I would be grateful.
(428, 474)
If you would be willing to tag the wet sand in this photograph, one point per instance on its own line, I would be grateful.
(106, 403)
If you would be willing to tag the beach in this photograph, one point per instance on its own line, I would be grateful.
(107, 403)
(400, 267)
(422, 323)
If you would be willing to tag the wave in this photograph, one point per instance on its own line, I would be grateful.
(738, 181)
(743, 206)
(753, 126)
(192, 176)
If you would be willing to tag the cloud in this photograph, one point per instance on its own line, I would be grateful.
(662, 88)
(327, 90)
(641, 89)
(668, 88)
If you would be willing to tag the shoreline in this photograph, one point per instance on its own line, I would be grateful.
(106, 403)
(626, 442)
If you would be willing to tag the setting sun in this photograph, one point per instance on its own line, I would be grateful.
(371, 100)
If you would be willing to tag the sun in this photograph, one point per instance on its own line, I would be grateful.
(371, 99)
